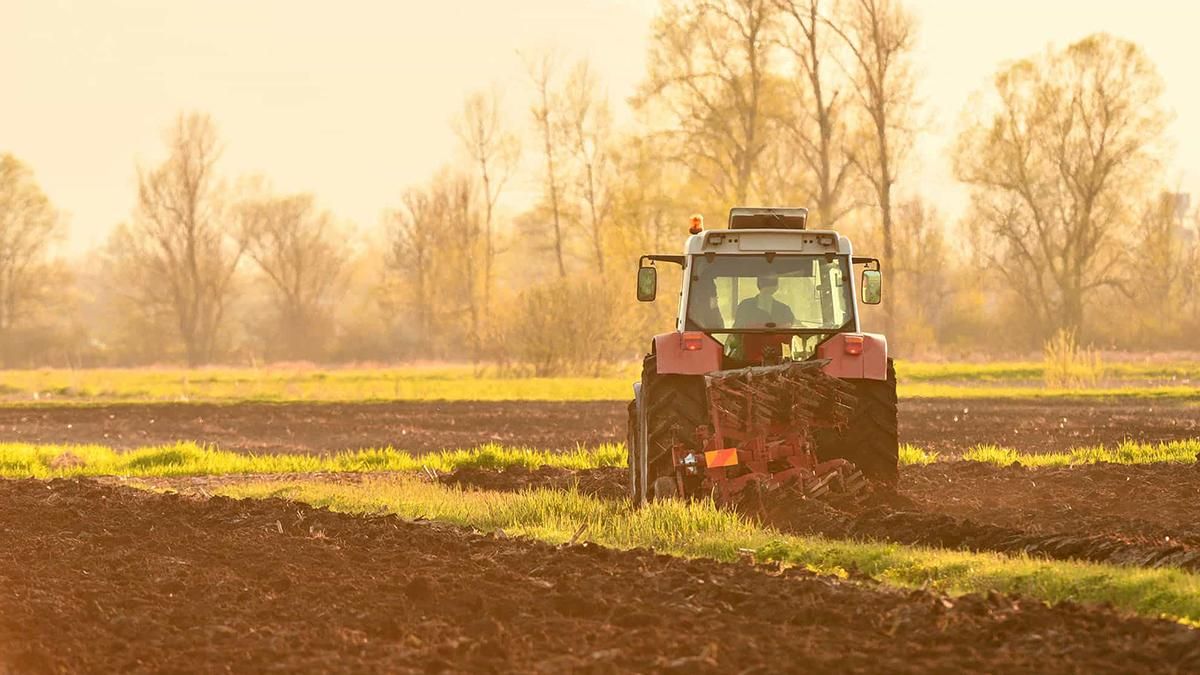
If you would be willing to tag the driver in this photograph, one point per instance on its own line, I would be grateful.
(764, 309)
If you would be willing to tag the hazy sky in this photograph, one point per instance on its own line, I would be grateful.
(352, 100)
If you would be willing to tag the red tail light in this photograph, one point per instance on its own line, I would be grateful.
(693, 342)
(854, 344)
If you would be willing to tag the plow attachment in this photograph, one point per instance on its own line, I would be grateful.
(760, 436)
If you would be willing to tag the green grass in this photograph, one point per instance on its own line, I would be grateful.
(1039, 392)
(21, 460)
(700, 530)
(427, 383)
(911, 454)
(1182, 452)
(415, 383)
(28, 460)
(1030, 372)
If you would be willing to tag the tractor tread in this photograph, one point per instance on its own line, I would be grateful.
(871, 441)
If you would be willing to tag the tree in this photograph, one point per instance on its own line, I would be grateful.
(880, 36)
(437, 243)
(417, 237)
(817, 124)
(1058, 168)
(709, 70)
(588, 131)
(28, 226)
(1158, 276)
(547, 116)
(178, 256)
(494, 152)
(302, 255)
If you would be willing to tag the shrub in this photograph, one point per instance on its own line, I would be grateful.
(1068, 365)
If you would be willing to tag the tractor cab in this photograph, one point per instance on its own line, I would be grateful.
(766, 289)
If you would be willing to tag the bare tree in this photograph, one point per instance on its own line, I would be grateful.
(302, 254)
(546, 114)
(463, 234)
(179, 255)
(1159, 270)
(880, 36)
(709, 70)
(435, 252)
(818, 125)
(28, 226)
(1058, 169)
(494, 151)
(588, 126)
(417, 237)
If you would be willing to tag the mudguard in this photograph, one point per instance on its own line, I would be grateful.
(676, 359)
(871, 364)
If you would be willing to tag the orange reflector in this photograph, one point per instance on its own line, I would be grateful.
(714, 459)
(854, 344)
(693, 342)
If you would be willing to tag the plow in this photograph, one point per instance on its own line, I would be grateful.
(764, 423)
(768, 387)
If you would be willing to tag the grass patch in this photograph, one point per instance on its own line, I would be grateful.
(444, 383)
(28, 460)
(1180, 452)
(701, 530)
(1030, 372)
(907, 390)
(911, 454)
(24, 460)
(458, 383)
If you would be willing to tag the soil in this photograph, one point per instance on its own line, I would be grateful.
(1140, 515)
(100, 578)
(944, 425)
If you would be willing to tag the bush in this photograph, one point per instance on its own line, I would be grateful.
(575, 326)
(1067, 365)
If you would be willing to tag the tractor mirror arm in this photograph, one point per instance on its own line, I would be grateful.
(656, 257)
(871, 263)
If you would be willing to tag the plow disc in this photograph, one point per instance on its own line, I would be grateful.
(760, 437)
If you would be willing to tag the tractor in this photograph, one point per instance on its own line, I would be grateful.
(767, 384)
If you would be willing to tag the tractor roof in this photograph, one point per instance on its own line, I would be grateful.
(763, 240)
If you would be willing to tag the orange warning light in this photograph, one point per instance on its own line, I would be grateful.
(697, 224)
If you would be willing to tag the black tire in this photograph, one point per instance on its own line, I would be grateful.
(676, 406)
(631, 441)
(872, 439)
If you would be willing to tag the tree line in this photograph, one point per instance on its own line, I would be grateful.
(1072, 223)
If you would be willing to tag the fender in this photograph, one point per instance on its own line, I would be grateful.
(687, 353)
(868, 364)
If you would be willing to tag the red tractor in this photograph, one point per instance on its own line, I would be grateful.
(767, 383)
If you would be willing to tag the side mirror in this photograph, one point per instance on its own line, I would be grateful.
(647, 284)
(872, 287)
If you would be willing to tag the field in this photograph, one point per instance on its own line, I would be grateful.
(1146, 378)
(306, 522)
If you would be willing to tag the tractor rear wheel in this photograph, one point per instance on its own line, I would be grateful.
(676, 405)
(634, 460)
(871, 440)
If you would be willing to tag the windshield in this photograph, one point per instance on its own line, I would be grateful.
(789, 292)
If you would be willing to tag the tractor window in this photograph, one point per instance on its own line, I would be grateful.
(744, 292)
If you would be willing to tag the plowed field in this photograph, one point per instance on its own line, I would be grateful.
(105, 579)
(943, 425)
(1132, 515)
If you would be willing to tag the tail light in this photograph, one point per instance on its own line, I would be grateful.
(693, 342)
(854, 344)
